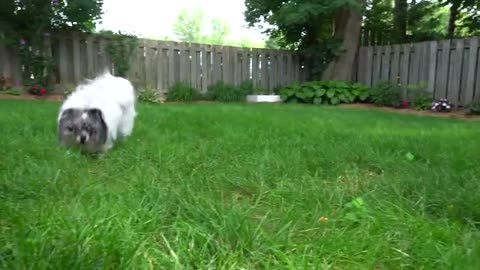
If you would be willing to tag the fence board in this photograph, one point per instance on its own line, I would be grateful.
(472, 69)
(159, 64)
(441, 89)
(454, 76)
(377, 65)
(404, 68)
(432, 67)
(395, 64)
(386, 64)
(449, 68)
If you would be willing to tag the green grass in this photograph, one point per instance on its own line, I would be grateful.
(210, 186)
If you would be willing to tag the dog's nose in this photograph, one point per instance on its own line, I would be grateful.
(83, 139)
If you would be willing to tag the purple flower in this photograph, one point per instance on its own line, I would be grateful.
(23, 42)
(55, 2)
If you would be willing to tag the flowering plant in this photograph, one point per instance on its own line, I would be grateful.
(37, 90)
(442, 105)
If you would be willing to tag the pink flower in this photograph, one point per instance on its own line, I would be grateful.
(43, 91)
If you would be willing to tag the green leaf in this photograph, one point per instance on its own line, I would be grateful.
(364, 96)
(343, 98)
(331, 93)
(317, 100)
(409, 156)
(309, 92)
(334, 101)
(320, 92)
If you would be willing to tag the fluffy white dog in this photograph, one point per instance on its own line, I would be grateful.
(97, 113)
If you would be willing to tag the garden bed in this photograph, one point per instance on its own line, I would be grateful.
(32, 97)
(460, 114)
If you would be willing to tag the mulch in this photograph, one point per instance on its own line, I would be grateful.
(454, 114)
(58, 98)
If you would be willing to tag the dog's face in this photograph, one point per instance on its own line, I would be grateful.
(85, 128)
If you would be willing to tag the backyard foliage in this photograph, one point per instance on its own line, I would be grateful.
(24, 24)
(181, 92)
(225, 92)
(386, 94)
(325, 92)
(215, 186)
(120, 48)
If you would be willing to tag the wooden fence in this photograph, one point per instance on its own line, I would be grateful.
(449, 68)
(159, 64)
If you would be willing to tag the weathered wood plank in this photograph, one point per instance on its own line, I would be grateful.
(454, 75)
(255, 72)
(441, 87)
(77, 64)
(386, 64)
(63, 61)
(404, 68)
(415, 57)
(432, 70)
(288, 76)
(171, 65)
(217, 64)
(377, 66)
(193, 66)
(204, 69)
(183, 62)
(468, 93)
(160, 67)
(90, 56)
(395, 65)
(245, 64)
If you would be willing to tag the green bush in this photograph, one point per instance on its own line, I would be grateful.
(11, 92)
(386, 94)
(181, 92)
(148, 95)
(420, 98)
(473, 108)
(324, 92)
(224, 92)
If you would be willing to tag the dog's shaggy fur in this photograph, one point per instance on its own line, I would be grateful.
(97, 113)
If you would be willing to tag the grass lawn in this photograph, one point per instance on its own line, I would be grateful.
(210, 186)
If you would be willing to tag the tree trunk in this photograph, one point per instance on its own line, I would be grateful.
(347, 28)
(454, 12)
(400, 21)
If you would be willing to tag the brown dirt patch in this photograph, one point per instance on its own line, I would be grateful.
(454, 114)
(32, 97)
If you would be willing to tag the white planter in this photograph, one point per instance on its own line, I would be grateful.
(264, 98)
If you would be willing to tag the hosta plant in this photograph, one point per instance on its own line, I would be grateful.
(325, 92)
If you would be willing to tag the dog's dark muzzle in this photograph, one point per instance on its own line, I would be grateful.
(83, 139)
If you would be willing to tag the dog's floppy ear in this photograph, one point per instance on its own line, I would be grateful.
(67, 113)
(96, 114)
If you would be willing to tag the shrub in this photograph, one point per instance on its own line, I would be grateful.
(37, 89)
(386, 94)
(224, 92)
(148, 95)
(473, 108)
(324, 92)
(183, 93)
(420, 98)
(12, 92)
